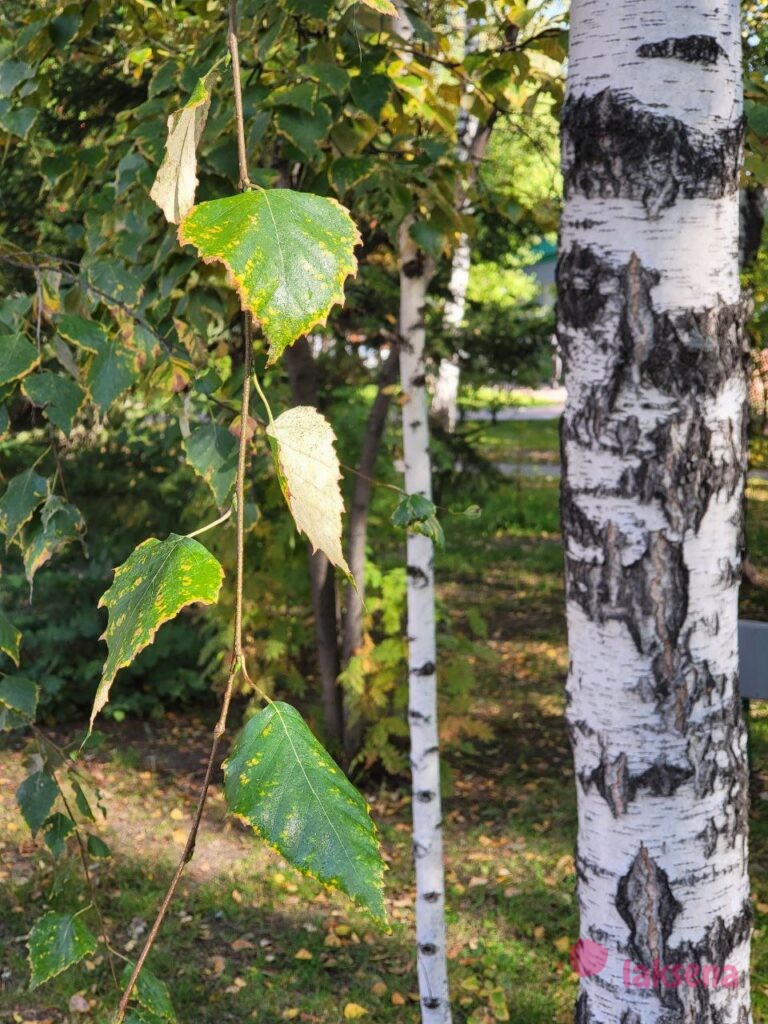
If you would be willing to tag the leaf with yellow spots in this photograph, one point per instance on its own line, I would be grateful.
(159, 578)
(288, 252)
(382, 7)
(308, 467)
(280, 781)
(55, 943)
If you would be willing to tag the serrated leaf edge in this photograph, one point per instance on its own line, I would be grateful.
(105, 683)
(379, 916)
(347, 270)
(36, 984)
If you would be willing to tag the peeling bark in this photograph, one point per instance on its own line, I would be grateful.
(651, 323)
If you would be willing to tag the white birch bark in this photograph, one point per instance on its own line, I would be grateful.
(415, 274)
(651, 323)
(445, 401)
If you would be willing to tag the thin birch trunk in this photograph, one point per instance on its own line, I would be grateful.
(302, 371)
(415, 275)
(352, 635)
(653, 438)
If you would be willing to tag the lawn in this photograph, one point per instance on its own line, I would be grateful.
(250, 940)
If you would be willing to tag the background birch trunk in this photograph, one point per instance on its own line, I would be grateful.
(653, 440)
(415, 275)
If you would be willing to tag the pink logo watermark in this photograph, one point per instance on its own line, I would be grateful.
(589, 958)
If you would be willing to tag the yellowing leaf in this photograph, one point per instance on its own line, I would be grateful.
(289, 254)
(309, 476)
(382, 6)
(354, 1011)
(174, 187)
(158, 579)
(302, 954)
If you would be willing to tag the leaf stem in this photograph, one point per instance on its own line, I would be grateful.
(236, 660)
(263, 397)
(210, 526)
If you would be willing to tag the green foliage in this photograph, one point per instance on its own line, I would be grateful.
(23, 495)
(60, 524)
(212, 452)
(18, 702)
(55, 943)
(57, 395)
(36, 796)
(10, 638)
(151, 994)
(18, 357)
(418, 514)
(289, 254)
(153, 585)
(280, 781)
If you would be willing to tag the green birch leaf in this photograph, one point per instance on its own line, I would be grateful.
(174, 187)
(111, 370)
(86, 334)
(150, 993)
(280, 781)
(289, 254)
(97, 847)
(212, 452)
(305, 131)
(158, 579)
(35, 797)
(59, 396)
(57, 828)
(17, 357)
(19, 696)
(17, 506)
(418, 514)
(81, 801)
(55, 943)
(110, 373)
(308, 470)
(61, 523)
(10, 639)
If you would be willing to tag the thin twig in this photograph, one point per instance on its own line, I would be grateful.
(236, 662)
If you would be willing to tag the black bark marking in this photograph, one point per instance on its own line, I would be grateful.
(583, 1014)
(427, 669)
(691, 49)
(618, 786)
(425, 796)
(431, 1002)
(417, 576)
(427, 948)
(614, 149)
(419, 381)
(645, 901)
(415, 267)
(431, 897)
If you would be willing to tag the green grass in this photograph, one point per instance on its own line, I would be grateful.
(488, 397)
(520, 440)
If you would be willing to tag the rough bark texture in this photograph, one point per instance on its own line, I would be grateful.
(422, 699)
(302, 371)
(654, 454)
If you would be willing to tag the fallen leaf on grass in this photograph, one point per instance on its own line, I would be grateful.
(353, 1011)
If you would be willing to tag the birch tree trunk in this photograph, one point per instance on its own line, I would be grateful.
(653, 439)
(415, 274)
